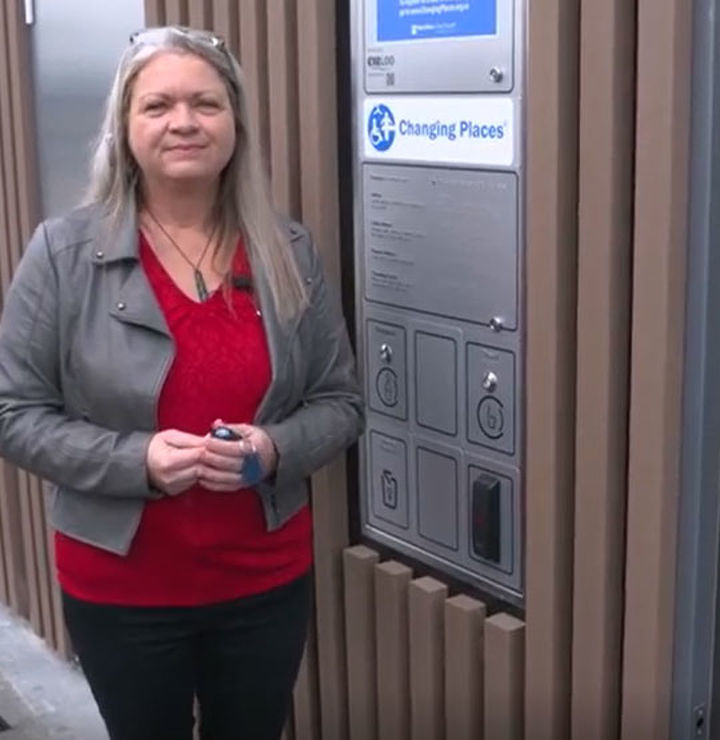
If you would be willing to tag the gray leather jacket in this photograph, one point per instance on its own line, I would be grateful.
(84, 351)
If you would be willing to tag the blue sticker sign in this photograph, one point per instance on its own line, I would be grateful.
(411, 20)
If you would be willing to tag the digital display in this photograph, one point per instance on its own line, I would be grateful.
(411, 20)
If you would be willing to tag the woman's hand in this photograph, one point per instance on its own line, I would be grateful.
(227, 465)
(173, 460)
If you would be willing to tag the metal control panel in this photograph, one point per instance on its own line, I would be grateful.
(439, 235)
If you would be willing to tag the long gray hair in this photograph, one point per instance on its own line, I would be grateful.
(244, 203)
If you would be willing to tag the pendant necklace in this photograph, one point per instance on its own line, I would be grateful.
(200, 284)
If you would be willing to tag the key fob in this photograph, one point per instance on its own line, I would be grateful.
(225, 433)
(252, 471)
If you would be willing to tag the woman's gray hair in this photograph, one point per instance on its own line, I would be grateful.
(244, 202)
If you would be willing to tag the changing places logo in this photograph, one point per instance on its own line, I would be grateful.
(381, 127)
(463, 129)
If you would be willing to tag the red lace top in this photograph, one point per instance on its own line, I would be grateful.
(199, 547)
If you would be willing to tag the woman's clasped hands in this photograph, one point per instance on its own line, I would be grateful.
(177, 461)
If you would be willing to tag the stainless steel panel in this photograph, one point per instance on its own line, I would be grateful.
(491, 397)
(443, 242)
(441, 48)
(387, 369)
(436, 396)
(75, 47)
(437, 497)
(439, 229)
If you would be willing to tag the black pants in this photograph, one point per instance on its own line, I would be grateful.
(239, 658)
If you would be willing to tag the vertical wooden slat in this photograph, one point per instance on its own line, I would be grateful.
(658, 316)
(284, 117)
(305, 698)
(504, 679)
(176, 12)
(318, 129)
(426, 607)
(550, 362)
(464, 659)
(330, 530)
(7, 142)
(225, 22)
(12, 541)
(61, 641)
(253, 58)
(604, 276)
(359, 573)
(200, 14)
(30, 564)
(319, 200)
(393, 681)
(44, 575)
(23, 140)
(154, 13)
(4, 593)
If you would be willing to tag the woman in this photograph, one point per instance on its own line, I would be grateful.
(173, 304)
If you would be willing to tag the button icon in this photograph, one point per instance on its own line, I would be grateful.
(491, 417)
(387, 387)
(389, 489)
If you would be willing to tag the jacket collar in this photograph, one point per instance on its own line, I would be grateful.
(117, 239)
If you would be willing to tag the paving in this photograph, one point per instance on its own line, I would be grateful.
(42, 696)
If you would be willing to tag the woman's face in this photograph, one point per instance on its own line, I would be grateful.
(181, 127)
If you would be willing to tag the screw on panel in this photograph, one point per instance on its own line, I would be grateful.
(699, 724)
(496, 74)
(496, 323)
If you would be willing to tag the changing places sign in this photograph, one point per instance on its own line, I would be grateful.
(448, 129)
(410, 20)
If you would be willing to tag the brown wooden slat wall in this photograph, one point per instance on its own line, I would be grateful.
(658, 315)
(551, 274)
(391, 656)
(424, 666)
(25, 572)
(604, 277)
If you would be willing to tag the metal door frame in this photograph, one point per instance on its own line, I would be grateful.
(696, 671)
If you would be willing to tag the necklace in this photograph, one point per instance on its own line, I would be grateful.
(200, 284)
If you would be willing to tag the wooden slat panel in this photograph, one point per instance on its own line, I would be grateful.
(330, 530)
(200, 14)
(284, 116)
(604, 276)
(7, 142)
(4, 592)
(658, 315)
(176, 12)
(305, 699)
(23, 141)
(44, 574)
(504, 679)
(12, 541)
(426, 607)
(360, 637)
(154, 13)
(316, 69)
(28, 549)
(6, 187)
(318, 129)
(464, 627)
(393, 681)
(60, 637)
(253, 58)
(550, 363)
(225, 22)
